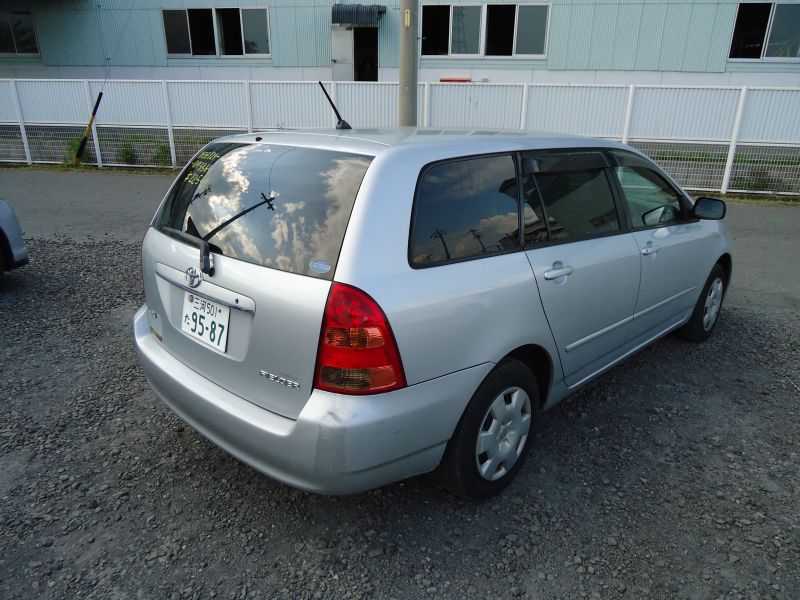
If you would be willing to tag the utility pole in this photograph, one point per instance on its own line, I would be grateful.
(477, 235)
(407, 100)
(439, 233)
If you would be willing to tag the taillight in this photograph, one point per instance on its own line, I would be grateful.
(357, 350)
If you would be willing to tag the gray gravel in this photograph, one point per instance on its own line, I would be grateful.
(676, 475)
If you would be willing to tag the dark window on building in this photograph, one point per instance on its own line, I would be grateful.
(465, 209)
(532, 30)
(201, 27)
(176, 28)
(500, 29)
(278, 206)
(575, 190)
(750, 30)
(17, 35)
(256, 30)
(435, 30)
(229, 26)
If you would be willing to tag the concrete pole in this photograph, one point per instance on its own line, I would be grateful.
(407, 100)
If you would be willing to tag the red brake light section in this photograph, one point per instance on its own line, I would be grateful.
(357, 350)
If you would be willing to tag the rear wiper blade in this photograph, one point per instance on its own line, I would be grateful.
(268, 201)
(206, 260)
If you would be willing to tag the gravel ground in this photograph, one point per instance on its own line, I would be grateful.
(676, 475)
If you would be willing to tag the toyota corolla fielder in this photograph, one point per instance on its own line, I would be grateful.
(341, 310)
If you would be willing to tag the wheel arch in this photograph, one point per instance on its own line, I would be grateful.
(538, 360)
(726, 262)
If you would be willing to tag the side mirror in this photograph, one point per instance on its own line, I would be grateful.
(709, 208)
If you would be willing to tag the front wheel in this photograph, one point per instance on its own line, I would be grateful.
(493, 437)
(706, 312)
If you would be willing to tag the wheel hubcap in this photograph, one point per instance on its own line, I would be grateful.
(504, 431)
(713, 303)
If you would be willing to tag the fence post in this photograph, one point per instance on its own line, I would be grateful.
(523, 116)
(168, 117)
(22, 131)
(94, 128)
(248, 105)
(426, 107)
(626, 128)
(737, 124)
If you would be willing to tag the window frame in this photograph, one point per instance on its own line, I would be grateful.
(219, 54)
(415, 206)
(765, 43)
(14, 39)
(482, 44)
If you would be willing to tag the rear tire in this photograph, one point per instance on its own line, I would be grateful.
(494, 435)
(706, 312)
(2, 263)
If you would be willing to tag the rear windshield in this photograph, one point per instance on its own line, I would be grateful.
(277, 206)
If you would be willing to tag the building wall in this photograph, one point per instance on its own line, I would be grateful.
(621, 41)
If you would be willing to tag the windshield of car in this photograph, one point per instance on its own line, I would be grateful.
(278, 206)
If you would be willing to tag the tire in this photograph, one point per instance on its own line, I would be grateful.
(501, 417)
(2, 262)
(706, 312)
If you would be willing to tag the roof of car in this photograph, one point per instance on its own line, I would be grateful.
(376, 141)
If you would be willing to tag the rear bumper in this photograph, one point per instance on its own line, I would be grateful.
(338, 444)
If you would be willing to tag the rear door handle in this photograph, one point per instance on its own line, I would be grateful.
(649, 249)
(557, 271)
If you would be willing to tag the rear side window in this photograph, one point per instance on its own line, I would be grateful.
(276, 206)
(464, 209)
(576, 193)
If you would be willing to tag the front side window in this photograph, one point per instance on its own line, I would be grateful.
(484, 30)
(650, 199)
(766, 31)
(217, 31)
(277, 206)
(575, 191)
(465, 209)
(17, 35)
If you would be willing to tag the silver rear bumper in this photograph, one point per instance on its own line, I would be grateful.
(338, 444)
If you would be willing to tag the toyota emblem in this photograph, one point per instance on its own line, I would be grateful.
(193, 276)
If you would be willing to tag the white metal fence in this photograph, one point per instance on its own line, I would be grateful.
(709, 138)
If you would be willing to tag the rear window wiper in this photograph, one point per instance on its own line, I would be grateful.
(268, 201)
(206, 260)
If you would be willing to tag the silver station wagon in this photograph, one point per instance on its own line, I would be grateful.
(344, 309)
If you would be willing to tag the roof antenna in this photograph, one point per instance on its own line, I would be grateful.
(341, 123)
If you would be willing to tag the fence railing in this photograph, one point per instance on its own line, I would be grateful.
(709, 138)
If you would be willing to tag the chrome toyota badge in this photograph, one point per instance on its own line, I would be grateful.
(193, 277)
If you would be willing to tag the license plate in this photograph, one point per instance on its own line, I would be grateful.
(205, 321)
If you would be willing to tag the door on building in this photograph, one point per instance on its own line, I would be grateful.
(365, 53)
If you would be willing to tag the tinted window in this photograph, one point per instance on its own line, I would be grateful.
(176, 28)
(465, 208)
(576, 193)
(500, 29)
(256, 32)
(435, 30)
(784, 37)
(277, 206)
(465, 34)
(750, 29)
(531, 29)
(650, 199)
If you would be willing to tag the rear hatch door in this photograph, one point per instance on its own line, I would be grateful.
(273, 218)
